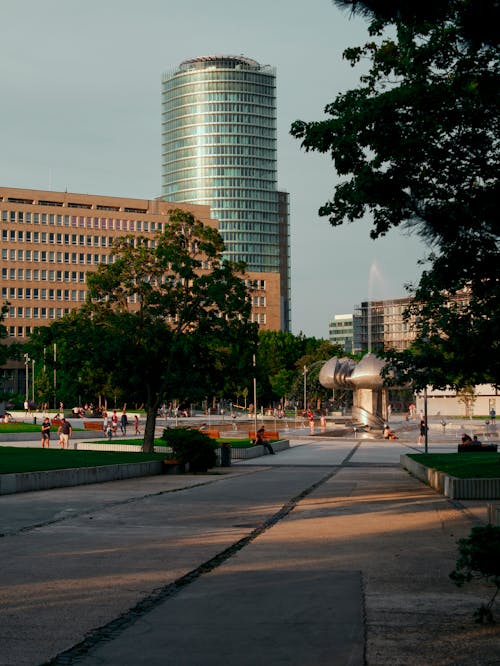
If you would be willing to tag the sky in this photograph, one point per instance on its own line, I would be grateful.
(80, 109)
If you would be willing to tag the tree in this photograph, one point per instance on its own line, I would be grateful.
(158, 322)
(417, 145)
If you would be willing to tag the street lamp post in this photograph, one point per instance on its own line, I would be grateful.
(426, 427)
(305, 387)
(26, 375)
(254, 396)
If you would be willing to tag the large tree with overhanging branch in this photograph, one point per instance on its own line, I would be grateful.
(416, 145)
(167, 318)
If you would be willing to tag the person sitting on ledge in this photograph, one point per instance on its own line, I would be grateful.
(466, 439)
(476, 441)
(261, 439)
(388, 433)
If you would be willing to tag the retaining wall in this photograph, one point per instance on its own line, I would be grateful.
(59, 478)
(451, 486)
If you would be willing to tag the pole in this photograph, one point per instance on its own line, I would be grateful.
(426, 435)
(55, 374)
(254, 396)
(26, 376)
(33, 380)
(305, 387)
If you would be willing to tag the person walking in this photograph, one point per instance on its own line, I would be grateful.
(46, 426)
(136, 425)
(423, 429)
(123, 423)
(261, 439)
(65, 431)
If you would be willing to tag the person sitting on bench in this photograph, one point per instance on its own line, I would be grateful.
(260, 439)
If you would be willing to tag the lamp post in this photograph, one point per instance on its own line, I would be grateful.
(26, 376)
(254, 395)
(33, 380)
(426, 427)
(305, 387)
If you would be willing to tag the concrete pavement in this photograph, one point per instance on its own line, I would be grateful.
(327, 553)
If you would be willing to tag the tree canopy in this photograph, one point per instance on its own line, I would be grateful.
(417, 145)
(167, 318)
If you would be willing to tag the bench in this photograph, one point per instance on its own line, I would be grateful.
(92, 425)
(477, 448)
(213, 434)
(172, 466)
(269, 434)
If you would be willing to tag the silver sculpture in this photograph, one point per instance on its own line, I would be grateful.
(365, 380)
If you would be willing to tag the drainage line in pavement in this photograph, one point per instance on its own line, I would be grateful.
(115, 627)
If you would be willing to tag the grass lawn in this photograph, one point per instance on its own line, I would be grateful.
(15, 459)
(20, 427)
(462, 465)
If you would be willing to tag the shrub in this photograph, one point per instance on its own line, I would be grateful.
(479, 557)
(191, 447)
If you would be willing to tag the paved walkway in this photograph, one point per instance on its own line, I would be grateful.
(328, 553)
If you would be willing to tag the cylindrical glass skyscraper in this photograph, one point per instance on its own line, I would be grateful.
(219, 149)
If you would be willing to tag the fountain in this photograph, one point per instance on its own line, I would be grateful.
(365, 380)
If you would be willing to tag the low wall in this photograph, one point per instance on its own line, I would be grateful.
(451, 486)
(60, 478)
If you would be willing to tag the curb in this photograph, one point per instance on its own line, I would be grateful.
(451, 486)
(60, 478)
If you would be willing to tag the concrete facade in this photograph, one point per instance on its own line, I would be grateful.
(52, 240)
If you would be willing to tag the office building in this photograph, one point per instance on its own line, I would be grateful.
(341, 331)
(381, 325)
(52, 240)
(219, 150)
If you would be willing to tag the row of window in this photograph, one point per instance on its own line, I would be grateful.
(204, 119)
(52, 219)
(254, 99)
(21, 236)
(43, 274)
(266, 155)
(259, 113)
(223, 166)
(199, 142)
(222, 130)
(43, 295)
(50, 257)
(219, 74)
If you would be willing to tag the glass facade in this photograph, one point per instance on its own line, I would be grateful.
(219, 149)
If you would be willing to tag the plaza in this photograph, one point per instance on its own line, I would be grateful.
(327, 553)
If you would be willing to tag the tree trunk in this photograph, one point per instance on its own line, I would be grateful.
(148, 443)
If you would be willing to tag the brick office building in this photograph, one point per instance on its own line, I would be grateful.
(51, 240)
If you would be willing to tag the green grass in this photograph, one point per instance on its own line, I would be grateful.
(462, 465)
(17, 459)
(20, 427)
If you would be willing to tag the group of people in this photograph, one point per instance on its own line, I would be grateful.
(64, 431)
(110, 424)
(468, 440)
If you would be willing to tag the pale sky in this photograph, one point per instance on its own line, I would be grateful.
(80, 108)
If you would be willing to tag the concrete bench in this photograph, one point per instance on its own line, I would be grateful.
(92, 425)
(477, 448)
(268, 434)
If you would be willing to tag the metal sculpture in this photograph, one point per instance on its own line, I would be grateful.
(365, 380)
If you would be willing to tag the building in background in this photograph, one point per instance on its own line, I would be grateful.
(341, 331)
(381, 325)
(219, 149)
(52, 240)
